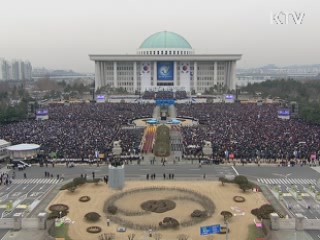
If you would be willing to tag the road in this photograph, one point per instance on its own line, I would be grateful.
(131, 171)
(253, 172)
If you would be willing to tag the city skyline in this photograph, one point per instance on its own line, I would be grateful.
(61, 35)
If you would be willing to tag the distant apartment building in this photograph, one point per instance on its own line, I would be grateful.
(244, 80)
(16, 70)
(5, 70)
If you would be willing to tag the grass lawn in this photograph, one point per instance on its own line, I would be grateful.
(255, 233)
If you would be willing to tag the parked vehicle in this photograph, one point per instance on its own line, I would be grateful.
(20, 165)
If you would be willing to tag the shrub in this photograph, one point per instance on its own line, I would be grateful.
(255, 211)
(67, 186)
(245, 186)
(199, 214)
(158, 206)
(112, 209)
(241, 180)
(263, 212)
(76, 182)
(92, 216)
(79, 181)
(56, 214)
(226, 215)
(59, 207)
(169, 222)
(72, 189)
(58, 210)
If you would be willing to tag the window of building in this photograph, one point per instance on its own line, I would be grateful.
(166, 52)
(169, 52)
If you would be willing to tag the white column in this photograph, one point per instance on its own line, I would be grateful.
(155, 80)
(195, 76)
(102, 76)
(97, 79)
(228, 75)
(134, 76)
(233, 75)
(215, 74)
(115, 80)
(175, 72)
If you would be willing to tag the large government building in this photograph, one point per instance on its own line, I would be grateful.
(165, 61)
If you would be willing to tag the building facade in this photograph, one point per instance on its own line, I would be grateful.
(16, 70)
(5, 70)
(165, 61)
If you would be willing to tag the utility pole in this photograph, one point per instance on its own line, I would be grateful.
(227, 229)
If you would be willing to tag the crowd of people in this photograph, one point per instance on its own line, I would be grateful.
(164, 95)
(78, 130)
(248, 131)
(242, 131)
(5, 179)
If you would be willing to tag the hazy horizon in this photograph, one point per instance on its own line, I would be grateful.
(61, 34)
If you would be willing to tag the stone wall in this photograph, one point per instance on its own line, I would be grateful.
(299, 223)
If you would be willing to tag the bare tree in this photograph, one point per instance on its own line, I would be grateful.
(226, 215)
(157, 236)
(131, 236)
(106, 236)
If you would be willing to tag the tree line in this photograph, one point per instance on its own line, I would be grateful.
(305, 93)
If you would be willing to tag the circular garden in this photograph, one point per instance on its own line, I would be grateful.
(158, 208)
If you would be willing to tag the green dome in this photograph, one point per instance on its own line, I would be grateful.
(165, 40)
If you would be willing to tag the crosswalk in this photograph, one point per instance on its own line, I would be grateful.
(287, 181)
(36, 181)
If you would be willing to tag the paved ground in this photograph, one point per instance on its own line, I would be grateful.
(3, 232)
(132, 171)
(254, 172)
(36, 186)
(24, 194)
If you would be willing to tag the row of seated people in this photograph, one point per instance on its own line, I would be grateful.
(165, 95)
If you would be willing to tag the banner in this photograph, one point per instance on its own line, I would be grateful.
(165, 71)
(210, 230)
(145, 72)
(185, 75)
(284, 114)
(42, 114)
(229, 98)
(101, 98)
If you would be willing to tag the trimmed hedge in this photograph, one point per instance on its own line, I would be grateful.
(74, 183)
(92, 216)
(263, 212)
(162, 143)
